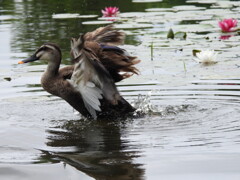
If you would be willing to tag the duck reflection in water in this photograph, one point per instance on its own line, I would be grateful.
(95, 148)
(89, 85)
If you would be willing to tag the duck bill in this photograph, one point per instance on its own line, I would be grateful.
(30, 59)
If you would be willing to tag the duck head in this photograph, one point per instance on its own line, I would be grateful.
(48, 51)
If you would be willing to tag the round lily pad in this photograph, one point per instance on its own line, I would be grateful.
(109, 18)
(88, 16)
(158, 9)
(146, 1)
(96, 22)
(188, 8)
(65, 16)
(133, 26)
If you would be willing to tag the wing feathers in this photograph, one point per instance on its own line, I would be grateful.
(106, 35)
(108, 86)
(93, 82)
(98, 65)
(91, 96)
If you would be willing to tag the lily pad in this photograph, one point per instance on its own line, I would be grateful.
(146, 1)
(188, 8)
(133, 26)
(211, 22)
(180, 35)
(194, 28)
(96, 22)
(5, 18)
(202, 1)
(158, 9)
(223, 4)
(132, 14)
(65, 16)
(109, 18)
(195, 15)
(87, 16)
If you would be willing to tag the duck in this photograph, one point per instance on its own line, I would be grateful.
(88, 85)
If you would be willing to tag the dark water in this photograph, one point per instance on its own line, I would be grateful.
(192, 127)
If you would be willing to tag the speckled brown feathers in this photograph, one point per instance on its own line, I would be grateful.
(106, 35)
(102, 42)
(101, 62)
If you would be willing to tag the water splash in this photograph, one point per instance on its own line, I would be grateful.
(143, 105)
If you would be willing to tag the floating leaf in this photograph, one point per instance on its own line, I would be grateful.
(180, 35)
(132, 14)
(5, 18)
(146, 1)
(87, 16)
(96, 22)
(170, 34)
(73, 15)
(109, 18)
(194, 28)
(202, 1)
(158, 9)
(133, 26)
(187, 8)
(65, 16)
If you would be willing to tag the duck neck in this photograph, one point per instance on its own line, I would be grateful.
(53, 66)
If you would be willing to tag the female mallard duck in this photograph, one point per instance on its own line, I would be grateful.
(89, 85)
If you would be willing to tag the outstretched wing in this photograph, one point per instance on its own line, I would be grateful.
(107, 35)
(93, 82)
(118, 62)
(104, 35)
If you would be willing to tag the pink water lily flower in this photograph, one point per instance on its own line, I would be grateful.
(227, 25)
(110, 11)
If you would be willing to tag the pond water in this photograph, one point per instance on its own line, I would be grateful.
(192, 126)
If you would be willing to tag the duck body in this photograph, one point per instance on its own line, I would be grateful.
(89, 84)
(59, 85)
